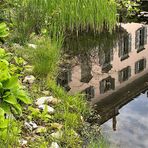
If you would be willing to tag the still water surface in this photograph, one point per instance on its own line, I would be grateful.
(111, 70)
(132, 125)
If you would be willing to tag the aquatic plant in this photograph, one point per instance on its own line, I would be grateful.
(63, 15)
(84, 14)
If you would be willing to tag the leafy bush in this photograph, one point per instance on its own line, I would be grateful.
(3, 30)
(11, 93)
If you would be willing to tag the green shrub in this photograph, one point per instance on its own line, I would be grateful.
(44, 57)
(11, 94)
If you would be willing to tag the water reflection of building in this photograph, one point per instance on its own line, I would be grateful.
(124, 46)
(141, 38)
(107, 84)
(109, 107)
(86, 68)
(105, 59)
(65, 76)
(107, 71)
(115, 73)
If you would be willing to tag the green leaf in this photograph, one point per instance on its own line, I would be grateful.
(2, 26)
(3, 30)
(6, 94)
(11, 83)
(6, 107)
(4, 71)
(2, 52)
(17, 108)
(3, 134)
(1, 112)
(11, 99)
(4, 124)
(1, 85)
(19, 60)
(1, 115)
(21, 95)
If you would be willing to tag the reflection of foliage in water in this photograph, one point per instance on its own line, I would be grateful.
(87, 42)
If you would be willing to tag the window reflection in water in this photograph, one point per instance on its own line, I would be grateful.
(105, 58)
(89, 92)
(107, 84)
(86, 68)
(124, 74)
(140, 65)
(140, 38)
(65, 76)
(125, 46)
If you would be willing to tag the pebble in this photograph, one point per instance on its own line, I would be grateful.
(29, 79)
(34, 125)
(54, 145)
(48, 100)
(31, 125)
(28, 126)
(49, 109)
(23, 142)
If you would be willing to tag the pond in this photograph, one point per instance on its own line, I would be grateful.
(111, 70)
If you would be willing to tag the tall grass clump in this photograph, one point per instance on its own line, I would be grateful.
(75, 103)
(62, 16)
(44, 57)
(70, 112)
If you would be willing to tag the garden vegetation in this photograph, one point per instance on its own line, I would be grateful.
(33, 46)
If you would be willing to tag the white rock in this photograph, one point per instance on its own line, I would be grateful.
(32, 46)
(18, 46)
(54, 145)
(34, 125)
(29, 79)
(144, 12)
(42, 100)
(48, 100)
(57, 135)
(49, 109)
(28, 126)
(22, 142)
